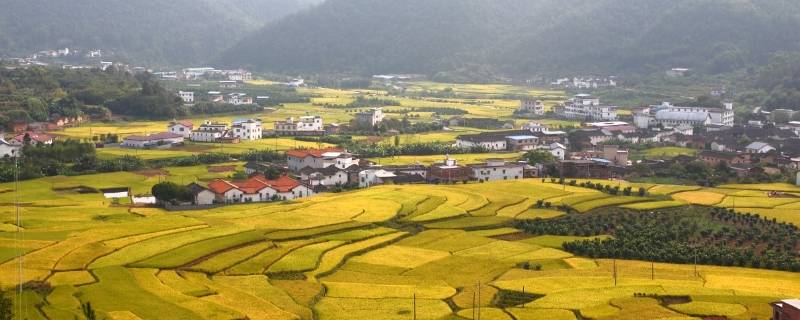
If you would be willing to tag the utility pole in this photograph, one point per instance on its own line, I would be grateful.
(652, 270)
(479, 300)
(414, 304)
(523, 296)
(615, 271)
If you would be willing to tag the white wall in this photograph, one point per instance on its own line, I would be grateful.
(498, 173)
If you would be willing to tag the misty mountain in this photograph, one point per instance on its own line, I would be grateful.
(179, 32)
(522, 36)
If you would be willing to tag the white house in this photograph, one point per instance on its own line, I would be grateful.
(522, 142)
(330, 176)
(372, 177)
(186, 96)
(488, 141)
(239, 99)
(158, 139)
(758, 147)
(183, 128)
(370, 118)
(8, 150)
(201, 196)
(584, 106)
(556, 149)
(307, 125)
(534, 107)
(534, 127)
(249, 129)
(319, 159)
(209, 132)
(497, 170)
(669, 115)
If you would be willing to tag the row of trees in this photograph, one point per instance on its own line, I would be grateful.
(416, 149)
(680, 235)
(71, 157)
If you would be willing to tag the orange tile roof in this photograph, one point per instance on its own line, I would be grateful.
(220, 186)
(316, 153)
(284, 184)
(255, 184)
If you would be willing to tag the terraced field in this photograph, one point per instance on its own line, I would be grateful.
(389, 252)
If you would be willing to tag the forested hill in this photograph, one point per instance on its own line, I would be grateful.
(150, 32)
(523, 36)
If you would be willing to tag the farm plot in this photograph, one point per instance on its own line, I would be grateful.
(606, 202)
(303, 259)
(706, 198)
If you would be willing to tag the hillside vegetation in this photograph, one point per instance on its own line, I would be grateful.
(146, 31)
(522, 36)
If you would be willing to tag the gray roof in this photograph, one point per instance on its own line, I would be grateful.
(681, 116)
(757, 145)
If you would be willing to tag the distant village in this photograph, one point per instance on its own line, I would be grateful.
(597, 149)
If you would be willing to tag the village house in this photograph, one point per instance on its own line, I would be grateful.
(163, 139)
(586, 107)
(8, 150)
(408, 170)
(487, 141)
(36, 138)
(448, 172)
(319, 159)
(254, 167)
(238, 99)
(559, 151)
(228, 84)
(327, 177)
(216, 96)
(183, 128)
(534, 127)
(715, 157)
(522, 143)
(758, 147)
(375, 176)
(201, 196)
(786, 310)
(62, 121)
(668, 115)
(584, 169)
(186, 96)
(209, 132)
(247, 129)
(303, 126)
(531, 107)
(258, 189)
(497, 170)
(370, 118)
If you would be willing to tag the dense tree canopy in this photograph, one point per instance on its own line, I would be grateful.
(179, 32)
(448, 37)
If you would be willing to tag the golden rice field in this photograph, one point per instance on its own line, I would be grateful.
(491, 105)
(383, 253)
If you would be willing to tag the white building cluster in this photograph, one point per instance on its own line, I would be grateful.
(668, 115)
(586, 107)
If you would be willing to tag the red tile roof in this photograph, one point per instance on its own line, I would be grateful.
(220, 186)
(184, 123)
(316, 153)
(35, 136)
(284, 184)
(254, 184)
